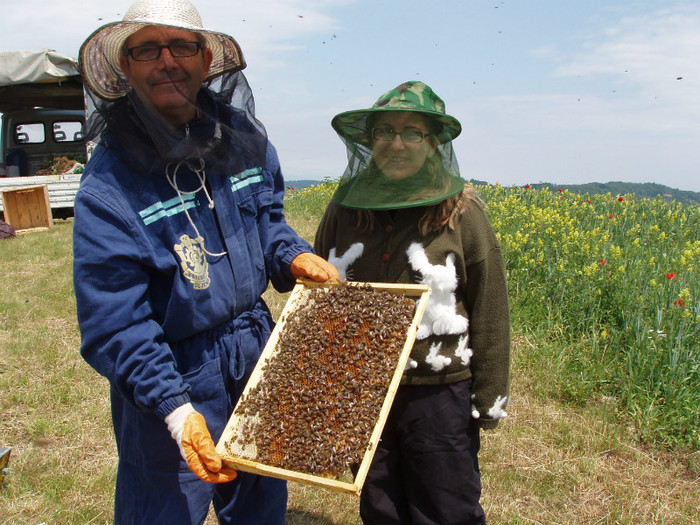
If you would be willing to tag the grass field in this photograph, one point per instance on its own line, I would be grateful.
(603, 424)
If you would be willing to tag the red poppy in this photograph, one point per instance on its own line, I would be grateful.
(670, 275)
(602, 262)
(611, 216)
(679, 302)
(589, 201)
(620, 199)
(561, 191)
(527, 186)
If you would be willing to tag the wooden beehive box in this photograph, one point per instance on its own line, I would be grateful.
(317, 400)
(27, 208)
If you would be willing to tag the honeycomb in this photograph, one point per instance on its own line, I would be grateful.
(321, 391)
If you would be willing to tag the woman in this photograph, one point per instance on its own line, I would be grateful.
(403, 214)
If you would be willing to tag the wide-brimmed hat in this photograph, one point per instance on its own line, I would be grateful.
(410, 96)
(99, 55)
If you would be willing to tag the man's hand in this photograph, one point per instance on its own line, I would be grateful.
(314, 267)
(189, 430)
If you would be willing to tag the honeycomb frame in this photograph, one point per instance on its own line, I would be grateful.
(234, 445)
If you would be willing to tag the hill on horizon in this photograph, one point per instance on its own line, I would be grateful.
(646, 190)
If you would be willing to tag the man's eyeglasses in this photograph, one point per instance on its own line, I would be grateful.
(407, 135)
(152, 51)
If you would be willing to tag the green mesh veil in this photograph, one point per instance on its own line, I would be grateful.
(366, 185)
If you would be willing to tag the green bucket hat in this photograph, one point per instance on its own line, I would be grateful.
(410, 96)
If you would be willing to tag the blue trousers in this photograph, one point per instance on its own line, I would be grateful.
(184, 499)
(425, 470)
(154, 484)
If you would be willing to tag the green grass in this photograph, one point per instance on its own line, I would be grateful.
(602, 427)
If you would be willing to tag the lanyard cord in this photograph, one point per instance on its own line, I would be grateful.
(202, 176)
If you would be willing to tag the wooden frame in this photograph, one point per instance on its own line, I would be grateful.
(421, 293)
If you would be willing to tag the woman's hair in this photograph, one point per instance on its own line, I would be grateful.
(435, 218)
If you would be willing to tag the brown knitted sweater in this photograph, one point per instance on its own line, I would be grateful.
(466, 327)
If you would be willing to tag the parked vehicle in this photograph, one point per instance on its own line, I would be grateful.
(43, 114)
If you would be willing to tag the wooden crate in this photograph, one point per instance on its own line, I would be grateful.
(241, 459)
(4, 460)
(27, 208)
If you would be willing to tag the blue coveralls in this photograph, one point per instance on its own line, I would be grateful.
(167, 324)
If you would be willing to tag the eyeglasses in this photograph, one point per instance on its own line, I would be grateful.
(152, 51)
(408, 135)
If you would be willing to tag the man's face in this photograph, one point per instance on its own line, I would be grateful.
(167, 85)
(398, 159)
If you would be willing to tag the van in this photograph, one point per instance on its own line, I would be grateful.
(42, 104)
(32, 138)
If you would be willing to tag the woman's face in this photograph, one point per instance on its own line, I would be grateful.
(398, 159)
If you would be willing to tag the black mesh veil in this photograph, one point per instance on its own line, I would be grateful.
(224, 110)
(225, 125)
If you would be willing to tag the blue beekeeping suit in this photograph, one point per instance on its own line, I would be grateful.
(171, 256)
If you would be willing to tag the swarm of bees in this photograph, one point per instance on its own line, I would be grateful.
(321, 392)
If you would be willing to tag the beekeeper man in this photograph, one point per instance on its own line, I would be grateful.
(179, 228)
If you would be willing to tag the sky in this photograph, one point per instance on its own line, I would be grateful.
(556, 91)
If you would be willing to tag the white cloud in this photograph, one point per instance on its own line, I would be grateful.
(649, 51)
(608, 94)
(560, 139)
(269, 30)
(627, 108)
(266, 27)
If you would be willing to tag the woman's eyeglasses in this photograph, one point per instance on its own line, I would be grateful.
(407, 135)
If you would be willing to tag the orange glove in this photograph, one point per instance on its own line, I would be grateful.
(314, 267)
(189, 430)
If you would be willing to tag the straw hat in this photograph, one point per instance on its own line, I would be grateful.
(99, 55)
(412, 96)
